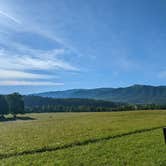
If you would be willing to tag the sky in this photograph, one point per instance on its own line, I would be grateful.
(65, 44)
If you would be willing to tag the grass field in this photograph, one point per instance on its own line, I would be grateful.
(115, 138)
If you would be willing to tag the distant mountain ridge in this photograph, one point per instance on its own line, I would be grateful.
(136, 94)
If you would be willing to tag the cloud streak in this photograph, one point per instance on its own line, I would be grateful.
(11, 74)
(36, 60)
(29, 83)
(17, 66)
(10, 17)
(21, 63)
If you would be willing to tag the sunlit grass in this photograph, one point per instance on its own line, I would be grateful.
(58, 129)
(145, 149)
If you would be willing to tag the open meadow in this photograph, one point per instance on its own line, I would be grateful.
(101, 138)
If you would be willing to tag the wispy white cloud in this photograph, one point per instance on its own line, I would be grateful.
(12, 74)
(17, 59)
(44, 64)
(27, 25)
(10, 17)
(16, 66)
(34, 60)
(29, 83)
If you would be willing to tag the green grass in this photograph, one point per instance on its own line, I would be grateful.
(140, 149)
(93, 131)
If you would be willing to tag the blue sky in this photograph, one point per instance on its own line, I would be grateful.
(63, 44)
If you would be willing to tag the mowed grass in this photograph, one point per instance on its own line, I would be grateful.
(145, 149)
(55, 130)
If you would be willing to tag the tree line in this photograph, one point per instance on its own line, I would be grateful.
(85, 108)
(45, 104)
(11, 104)
(14, 104)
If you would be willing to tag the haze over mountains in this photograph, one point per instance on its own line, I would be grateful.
(136, 94)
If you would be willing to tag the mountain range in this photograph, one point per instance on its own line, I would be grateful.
(136, 94)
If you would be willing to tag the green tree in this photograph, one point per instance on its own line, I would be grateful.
(16, 104)
(4, 109)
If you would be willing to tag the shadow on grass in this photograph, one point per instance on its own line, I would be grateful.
(6, 119)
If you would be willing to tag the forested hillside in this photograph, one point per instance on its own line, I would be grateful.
(45, 104)
(136, 94)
